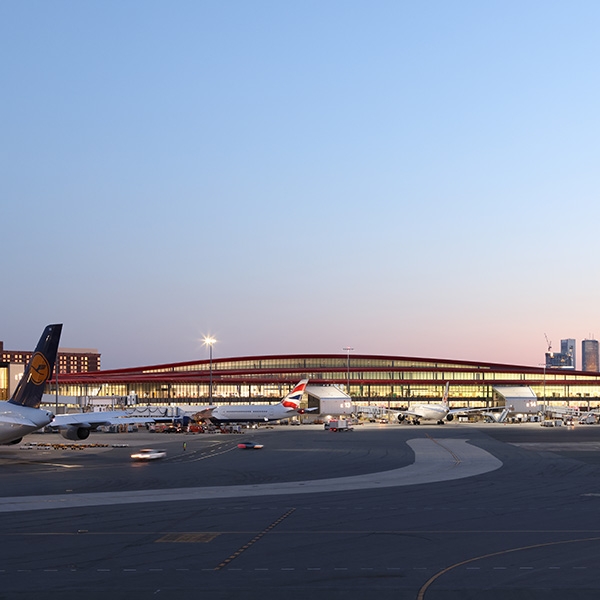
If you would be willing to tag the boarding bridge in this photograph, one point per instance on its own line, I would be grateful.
(374, 412)
(329, 400)
(563, 412)
(497, 417)
(519, 402)
(159, 413)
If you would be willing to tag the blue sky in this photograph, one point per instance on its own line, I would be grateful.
(407, 178)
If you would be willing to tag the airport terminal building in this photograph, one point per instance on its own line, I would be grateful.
(390, 381)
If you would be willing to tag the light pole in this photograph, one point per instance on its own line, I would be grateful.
(348, 350)
(209, 341)
(544, 393)
(56, 370)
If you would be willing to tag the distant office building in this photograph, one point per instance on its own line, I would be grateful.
(590, 357)
(565, 359)
(567, 347)
(558, 360)
(71, 360)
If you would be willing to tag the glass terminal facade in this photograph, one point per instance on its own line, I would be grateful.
(396, 381)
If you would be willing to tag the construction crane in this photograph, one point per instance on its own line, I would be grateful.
(549, 344)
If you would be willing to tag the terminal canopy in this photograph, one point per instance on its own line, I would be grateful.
(329, 399)
(517, 399)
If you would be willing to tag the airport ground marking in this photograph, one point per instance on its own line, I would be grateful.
(456, 458)
(212, 455)
(431, 465)
(204, 537)
(255, 539)
(433, 578)
(330, 569)
(189, 537)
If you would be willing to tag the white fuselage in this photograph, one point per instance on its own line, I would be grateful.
(430, 412)
(17, 421)
(251, 413)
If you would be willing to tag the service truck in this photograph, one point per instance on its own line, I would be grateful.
(338, 425)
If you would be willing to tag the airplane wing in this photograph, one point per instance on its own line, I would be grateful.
(203, 413)
(96, 419)
(77, 426)
(464, 411)
(406, 413)
(302, 411)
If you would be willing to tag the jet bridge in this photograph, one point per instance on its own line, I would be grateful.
(518, 400)
(329, 400)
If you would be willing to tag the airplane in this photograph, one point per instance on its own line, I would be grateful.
(77, 426)
(433, 412)
(22, 414)
(253, 413)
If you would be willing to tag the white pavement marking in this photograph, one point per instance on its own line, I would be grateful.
(433, 463)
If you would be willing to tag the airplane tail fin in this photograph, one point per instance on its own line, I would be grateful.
(39, 369)
(292, 400)
(446, 394)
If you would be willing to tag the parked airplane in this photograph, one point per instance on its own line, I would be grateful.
(77, 426)
(253, 413)
(433, 412)
(22, 414)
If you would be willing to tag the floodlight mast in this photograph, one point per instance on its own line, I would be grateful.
(209, 341)
(348, 349)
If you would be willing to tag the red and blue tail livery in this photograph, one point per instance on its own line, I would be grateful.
(293, 399)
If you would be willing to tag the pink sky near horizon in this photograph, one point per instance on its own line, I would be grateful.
(408, 179)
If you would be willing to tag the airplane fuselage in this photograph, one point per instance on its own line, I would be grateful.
(17, 421)
(250, 414)
(430, 412)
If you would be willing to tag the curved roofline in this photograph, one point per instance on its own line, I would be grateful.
(254, 358)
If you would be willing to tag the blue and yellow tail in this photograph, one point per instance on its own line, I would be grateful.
(39, 369)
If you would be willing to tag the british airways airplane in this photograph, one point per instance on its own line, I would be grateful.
(255, 413)
(22, 414)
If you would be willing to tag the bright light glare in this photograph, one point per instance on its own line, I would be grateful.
(209, 340)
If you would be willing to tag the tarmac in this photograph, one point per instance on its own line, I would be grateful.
(386, 511)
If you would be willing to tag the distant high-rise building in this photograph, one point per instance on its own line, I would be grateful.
(558, 360)
(567, 347)
(590, 359)
(565, 359)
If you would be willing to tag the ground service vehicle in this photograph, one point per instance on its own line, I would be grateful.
(149, 454)
(249, 446)
(552, 423)
(338, 425)
(588, 420)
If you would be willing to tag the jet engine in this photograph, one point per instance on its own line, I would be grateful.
(449, 417)
(75, 433)
(12, 442)
(401, 418)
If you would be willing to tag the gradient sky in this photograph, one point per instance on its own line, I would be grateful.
(406, 178)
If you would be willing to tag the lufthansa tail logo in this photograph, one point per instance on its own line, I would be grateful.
(39, 369)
